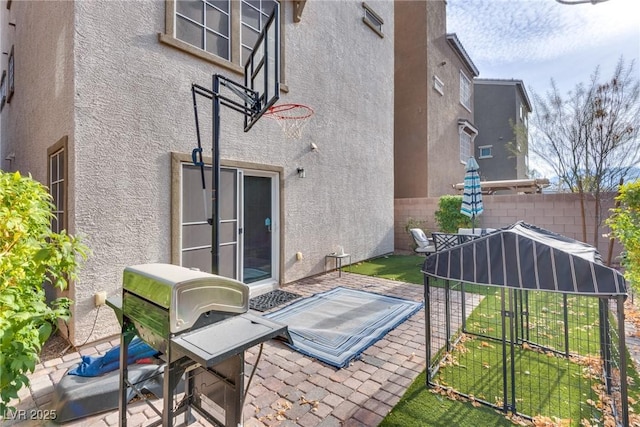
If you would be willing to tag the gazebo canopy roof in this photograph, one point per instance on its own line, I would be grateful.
(523, 256)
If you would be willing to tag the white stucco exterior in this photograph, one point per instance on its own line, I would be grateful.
(96, 72)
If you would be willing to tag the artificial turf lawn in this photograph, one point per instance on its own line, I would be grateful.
(420, 407)
(404, 268)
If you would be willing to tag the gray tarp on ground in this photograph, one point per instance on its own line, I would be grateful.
(524, 256)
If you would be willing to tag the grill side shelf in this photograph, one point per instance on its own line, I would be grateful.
(214, 343)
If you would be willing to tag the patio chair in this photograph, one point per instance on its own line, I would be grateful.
(424, 245)
(444, 241)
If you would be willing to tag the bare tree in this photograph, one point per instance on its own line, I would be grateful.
(590, 138)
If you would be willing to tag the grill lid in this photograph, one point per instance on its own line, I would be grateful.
(184, 293)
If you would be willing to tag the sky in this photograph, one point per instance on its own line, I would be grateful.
(536, 40)
(539, 40)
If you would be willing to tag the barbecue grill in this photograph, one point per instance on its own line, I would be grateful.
(201, 325)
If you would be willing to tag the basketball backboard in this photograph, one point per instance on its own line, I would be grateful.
(262, 70)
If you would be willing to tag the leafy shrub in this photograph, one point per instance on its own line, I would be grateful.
(625, 226)
(414, 223)
(448, 215)
(31, 257)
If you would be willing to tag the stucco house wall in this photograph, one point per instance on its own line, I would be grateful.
(127, 106)
(411, 92)
(497, 107)
(41, 109)
(427, 152)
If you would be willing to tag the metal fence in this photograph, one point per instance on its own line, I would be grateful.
(545, 356)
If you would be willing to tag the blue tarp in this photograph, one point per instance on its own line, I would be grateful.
(93, 366)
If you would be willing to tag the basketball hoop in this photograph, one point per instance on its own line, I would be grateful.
(292, 118)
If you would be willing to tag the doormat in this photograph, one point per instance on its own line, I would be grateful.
(336, 326)
(271, 299)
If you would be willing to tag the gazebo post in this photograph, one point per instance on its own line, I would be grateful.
(566, 325)
(427, 327)
(447, 313)
(504, 315)
(624, 401)
(605, 342)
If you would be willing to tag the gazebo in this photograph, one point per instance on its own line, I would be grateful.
(547, 338)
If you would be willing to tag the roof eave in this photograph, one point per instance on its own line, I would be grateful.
(454, 42)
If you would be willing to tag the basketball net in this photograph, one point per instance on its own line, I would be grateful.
(292, 118)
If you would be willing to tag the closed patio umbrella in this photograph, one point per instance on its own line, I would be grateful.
(472, 196)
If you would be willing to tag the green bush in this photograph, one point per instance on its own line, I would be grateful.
(448, 215)
(625, 226)
(31, 257)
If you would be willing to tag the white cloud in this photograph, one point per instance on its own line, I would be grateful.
(539, 40)
(527, 31)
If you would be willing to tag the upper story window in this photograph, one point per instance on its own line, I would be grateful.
(467, 133)
(254, 16)
(485, 151)
(465, 147)
(220, 31)
(465, 91)
(372, 19)
(524, 115)
(11, 76)
(205, 25)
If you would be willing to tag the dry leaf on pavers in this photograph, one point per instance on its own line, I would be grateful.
(281, 406)
(312, 403)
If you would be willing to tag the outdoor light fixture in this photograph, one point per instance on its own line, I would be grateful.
(301, 173)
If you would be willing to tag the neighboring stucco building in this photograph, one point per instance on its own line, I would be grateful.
(498, 106)
(102, 113)
(434, 128)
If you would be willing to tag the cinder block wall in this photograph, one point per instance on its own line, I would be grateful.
(555, 212)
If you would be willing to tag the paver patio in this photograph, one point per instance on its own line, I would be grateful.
(289, 389)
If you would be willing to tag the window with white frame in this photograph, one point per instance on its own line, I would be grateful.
(221, 31)
(372, 19)
(465, 91)
(254, 16)
(467, 133)
(438, 85)
(57, 181)
(485, 151)
(465, 147)
(11, 76)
